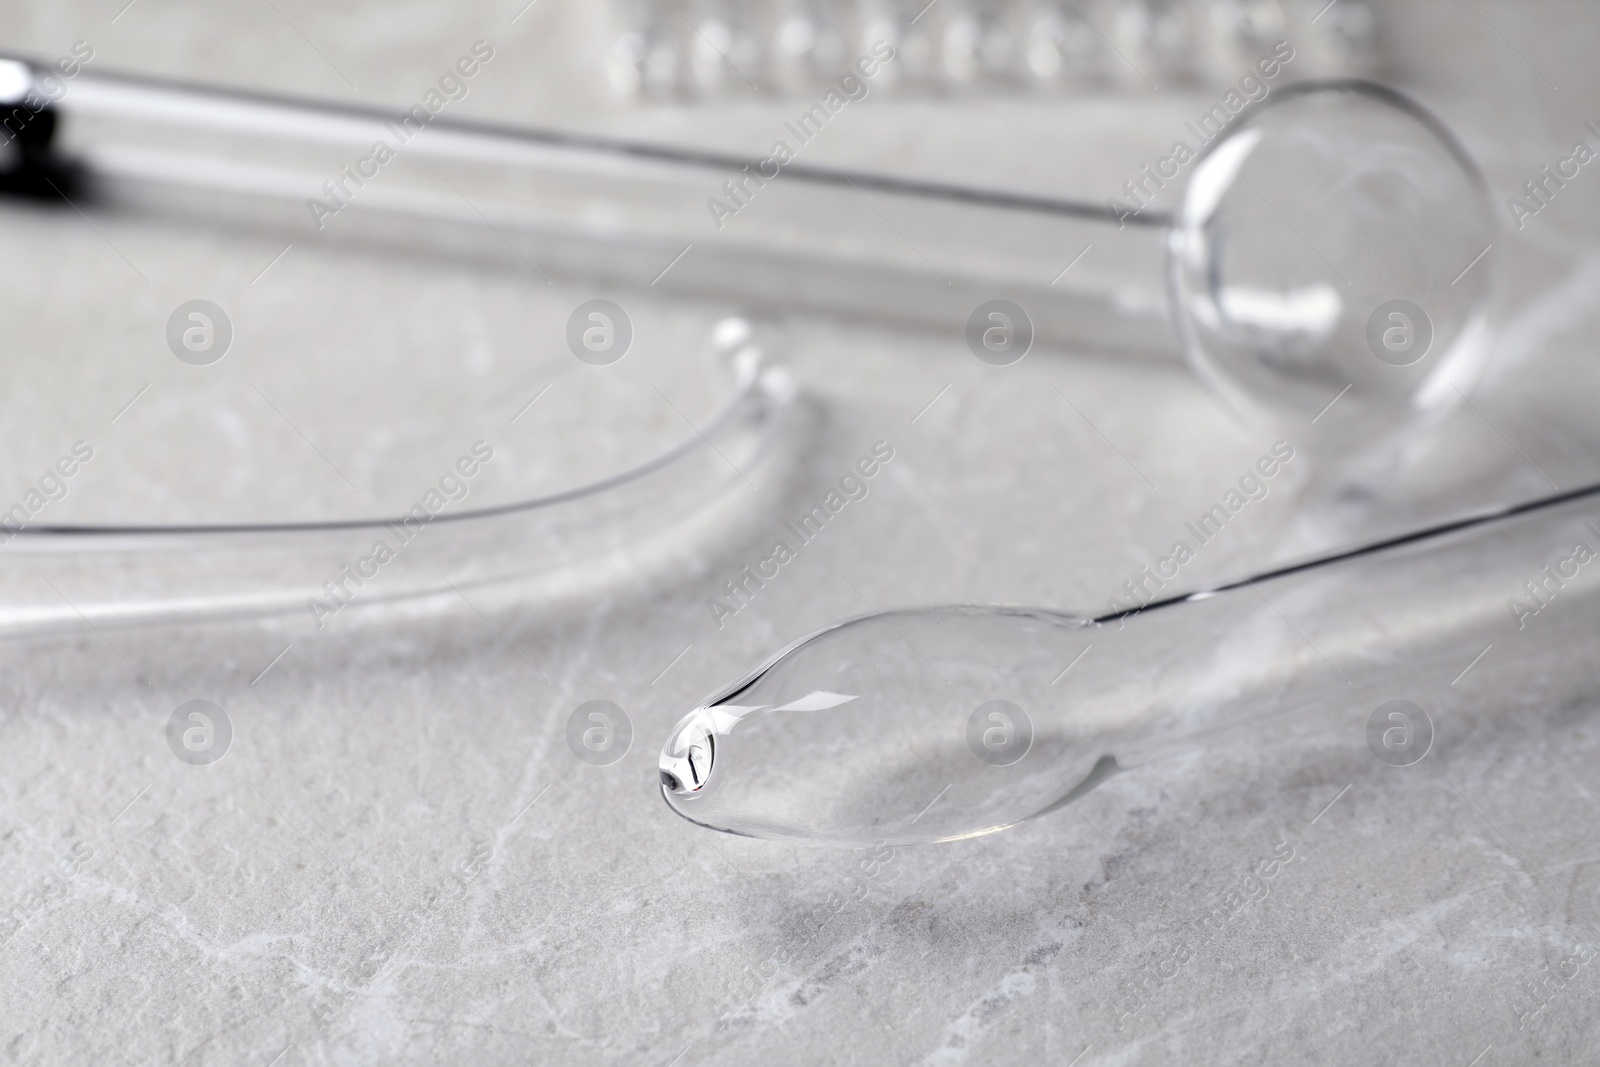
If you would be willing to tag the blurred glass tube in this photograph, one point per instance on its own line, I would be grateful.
(727, 228)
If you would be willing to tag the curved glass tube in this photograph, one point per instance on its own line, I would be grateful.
(206, 484)
(557, 545)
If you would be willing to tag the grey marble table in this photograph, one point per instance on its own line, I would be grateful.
(400, 859)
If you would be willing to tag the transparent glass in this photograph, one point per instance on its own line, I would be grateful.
(322, 427)
(217, 403)
(1300, 226)
(945, 723)
(1331, 266)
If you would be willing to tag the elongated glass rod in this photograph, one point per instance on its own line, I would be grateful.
(945, 723)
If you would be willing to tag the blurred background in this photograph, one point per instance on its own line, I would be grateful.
(991, 90)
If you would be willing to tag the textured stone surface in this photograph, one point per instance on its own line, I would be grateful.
(399, 859)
